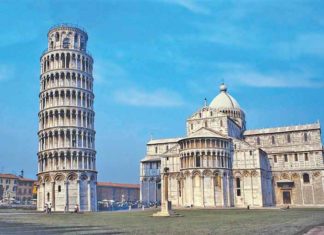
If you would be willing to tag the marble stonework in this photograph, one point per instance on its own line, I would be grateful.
(221, 164)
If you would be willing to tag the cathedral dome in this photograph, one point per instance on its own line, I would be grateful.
(223, 100)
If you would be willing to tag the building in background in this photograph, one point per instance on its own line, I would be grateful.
(118, 192)
(67, 173)
(25, 190)
(221, 164)
(8, 187)
(16, 189)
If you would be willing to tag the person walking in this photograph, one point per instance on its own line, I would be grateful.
(50, 208)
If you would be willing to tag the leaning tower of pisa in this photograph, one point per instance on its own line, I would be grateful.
(67, 173)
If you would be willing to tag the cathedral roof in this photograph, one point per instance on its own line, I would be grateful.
(224, 100)
(205, 132)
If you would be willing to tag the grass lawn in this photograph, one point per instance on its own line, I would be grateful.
(231, 221)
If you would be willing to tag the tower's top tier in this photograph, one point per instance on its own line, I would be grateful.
(67, 36)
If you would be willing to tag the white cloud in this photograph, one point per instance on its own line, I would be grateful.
(156, 98)
(106, 72)
(190, 5)
(6, 72)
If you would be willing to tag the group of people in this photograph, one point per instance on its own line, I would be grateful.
(48, 208)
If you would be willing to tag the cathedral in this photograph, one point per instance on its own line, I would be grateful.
(221, 164)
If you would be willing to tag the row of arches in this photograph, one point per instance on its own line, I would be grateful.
(195, 160)
(66, 117)
(62, 176)
(66, 60)
(66, 79)
(68, 39)
(203, 143)
(305, 176)
(66, 97)
(68, 138)
(68, 161)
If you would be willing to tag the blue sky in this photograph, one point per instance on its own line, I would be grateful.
(155, 62)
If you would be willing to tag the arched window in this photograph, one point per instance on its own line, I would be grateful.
(51, 45)
(76, 38)
(48, 197)
(57, 37)
(258, 140)
(305, 137)
(306, 178)
(273, 140)
(59, 188)
(66, 43)
(288, 138)
(238, 187)
(191, 126)
(197, 161)
(156, 149)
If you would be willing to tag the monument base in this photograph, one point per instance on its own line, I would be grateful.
(166, 210)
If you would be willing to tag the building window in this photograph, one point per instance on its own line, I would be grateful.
(200, 115)
(197, 161)
(296, 157)
(286, 158)
(57, 37)
(167, 148)
(275, 158)
(211, 113)
(48, 197)
(206, 124)
(221, 123)
(251, 153)
(191, 126)
(66, 42)
(156, 149)
(273, 140)
(288, 138)
(306, 178)
(150, 165)
(306, 156)
(258, 140)
(238, 187)
(305, 137)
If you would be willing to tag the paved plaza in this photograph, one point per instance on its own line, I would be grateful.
(222, 221)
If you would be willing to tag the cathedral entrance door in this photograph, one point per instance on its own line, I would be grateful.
(286, 197)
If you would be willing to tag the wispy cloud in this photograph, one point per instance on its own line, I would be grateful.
(155, 98)
(190, 5)
(249, 76)
(308, 43)
(6, 72)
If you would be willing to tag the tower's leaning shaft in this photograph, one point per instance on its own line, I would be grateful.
(66, 155)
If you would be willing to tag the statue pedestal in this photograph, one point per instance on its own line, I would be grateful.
(166, 210)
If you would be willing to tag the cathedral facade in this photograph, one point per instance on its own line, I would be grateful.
(221, 164)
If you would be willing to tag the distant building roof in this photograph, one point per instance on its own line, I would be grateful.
(164, 141)
(8, 176)
(117, 185)
(312, 126)
(26, 179)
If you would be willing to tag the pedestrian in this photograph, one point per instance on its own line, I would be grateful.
(76, 208)
(45, 208)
